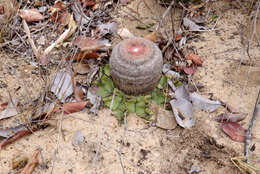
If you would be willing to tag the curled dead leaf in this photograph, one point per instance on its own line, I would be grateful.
(84, 55)
(195, 58)
(31, 15)
(204, 103)
(78, 93)
(151, 37)
(90, 44)
(234, 130)
(230, 117)
(72, 107)
(81, 68)
(189, 70)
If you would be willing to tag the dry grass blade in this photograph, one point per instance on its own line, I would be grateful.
(27, 31)
(243, 166)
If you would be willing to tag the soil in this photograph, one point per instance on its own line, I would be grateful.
(138, 147)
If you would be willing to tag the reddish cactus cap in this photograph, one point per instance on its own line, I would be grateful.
(136, 48)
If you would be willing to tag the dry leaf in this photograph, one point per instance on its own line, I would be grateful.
(234, 130)
(124, 33)
(204, 103)
(183, 112)
(90, 44)
(189, 70)
(192, 26)
(3, 106)
(65, 35)
(195, 58)
(9, 111)
(78, 93)
(84, 55)
(151, 37)
(30, 15)
(72, 107)
(62, 85)
(230, 117)
(11, 131)
(182, 92)
(81, 68)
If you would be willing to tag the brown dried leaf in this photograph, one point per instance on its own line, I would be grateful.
(11, 110)
(31, 15)
(234, 130)
(90, 44)
(81, 68)
(78, 93)
(74, 107)
(59, 5)
(195, 58)
(189, 70)
(230, 117)
(84, 55)
(151, 37)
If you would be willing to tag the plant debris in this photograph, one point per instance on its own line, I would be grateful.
(234, 131)
(28, 169)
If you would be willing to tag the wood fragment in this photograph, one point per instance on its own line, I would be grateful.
(28, 169)
(21, 134)
(66, 34)
(17, 136)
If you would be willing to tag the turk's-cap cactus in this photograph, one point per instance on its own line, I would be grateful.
(136, 66)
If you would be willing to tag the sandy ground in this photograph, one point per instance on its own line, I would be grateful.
(138, 147)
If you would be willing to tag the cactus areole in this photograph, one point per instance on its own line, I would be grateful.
(136, 66)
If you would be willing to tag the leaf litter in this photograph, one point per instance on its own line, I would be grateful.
(10, 110)
(62, 85)
(181, 105)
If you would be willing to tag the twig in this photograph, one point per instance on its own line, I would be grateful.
(164, 15)
(28, 169)
(21, 134)
(65, 35)
(249, 131)
(27, 31)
